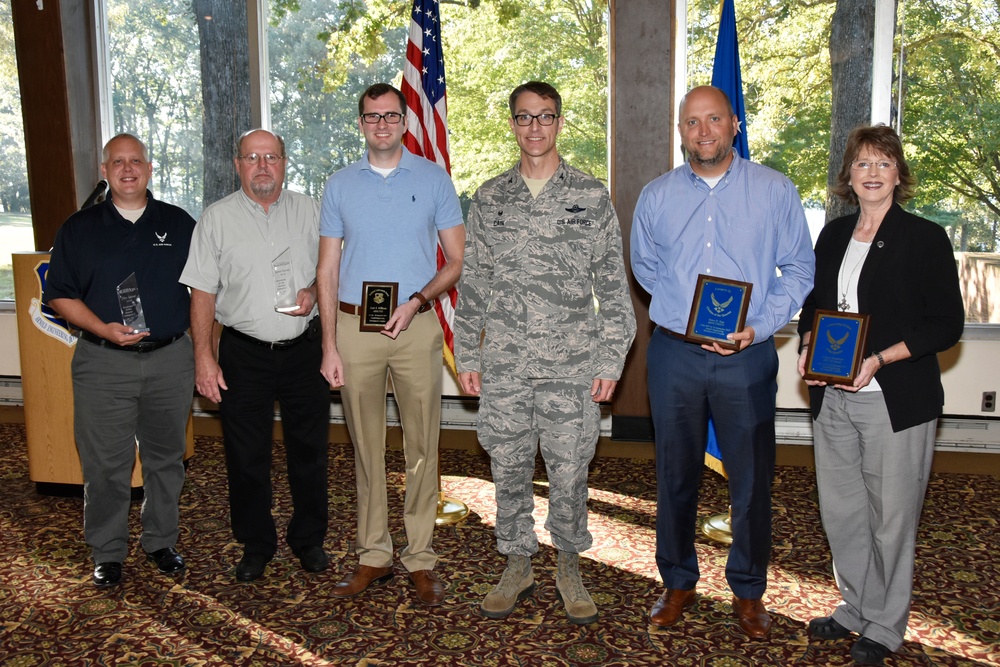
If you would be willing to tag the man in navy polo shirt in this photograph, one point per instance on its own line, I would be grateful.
(132, 383)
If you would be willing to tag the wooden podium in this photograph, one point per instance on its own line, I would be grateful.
(46, 349)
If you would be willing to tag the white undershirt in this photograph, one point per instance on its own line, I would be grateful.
(131, 214)
(847, 280)
(712, 181)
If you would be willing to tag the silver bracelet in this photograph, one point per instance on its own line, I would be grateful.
(878, 356)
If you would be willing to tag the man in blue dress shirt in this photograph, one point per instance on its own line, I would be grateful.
(726, 217)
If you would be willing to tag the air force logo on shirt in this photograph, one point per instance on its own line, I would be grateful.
(161, 240)
(582, 222)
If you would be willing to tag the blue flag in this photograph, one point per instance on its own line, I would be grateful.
(726, 76)
(726, 73)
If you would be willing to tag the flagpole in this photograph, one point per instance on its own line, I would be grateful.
(719, 527)
(727, 77)
(426, 135)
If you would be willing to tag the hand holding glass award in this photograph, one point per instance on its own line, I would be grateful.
(837, 347)
(131, 305)
(719, 308)
(284, 291)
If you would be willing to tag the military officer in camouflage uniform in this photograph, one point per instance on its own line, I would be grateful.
(544, 278)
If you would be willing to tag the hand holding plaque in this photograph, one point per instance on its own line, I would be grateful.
(719, 309)
(837, 347)
(378, 302)
(131, 305)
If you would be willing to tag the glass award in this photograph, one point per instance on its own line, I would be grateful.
(131, 305)
(837, 346)
(378, 302)
(284, 292)
(719, 308)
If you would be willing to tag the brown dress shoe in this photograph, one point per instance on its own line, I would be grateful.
(430, 589)
(669, 608)
(753, 617)
(361, 579)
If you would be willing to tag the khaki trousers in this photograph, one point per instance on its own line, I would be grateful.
(414, 362)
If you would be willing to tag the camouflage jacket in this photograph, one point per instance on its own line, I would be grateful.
(544, 279)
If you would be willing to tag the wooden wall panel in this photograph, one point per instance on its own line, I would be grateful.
(641, 144)
(47, 135)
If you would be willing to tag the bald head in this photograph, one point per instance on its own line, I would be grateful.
(260, 178)
(707, 126)
(709, 91)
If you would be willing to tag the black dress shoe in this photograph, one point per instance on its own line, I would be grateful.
(825, 627)
(167, 560)
(869, 652)
(313, 559)
(251, 567)
(107, 574)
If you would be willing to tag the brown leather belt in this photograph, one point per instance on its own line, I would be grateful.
(351, 309)
(671, 333)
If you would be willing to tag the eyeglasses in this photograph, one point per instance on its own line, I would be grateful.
(865, 165)
(372, 118)
(269, 158)
(545, 119)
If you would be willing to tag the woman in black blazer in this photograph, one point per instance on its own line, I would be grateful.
(874, 439)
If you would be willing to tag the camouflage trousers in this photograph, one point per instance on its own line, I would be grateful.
(518, 416)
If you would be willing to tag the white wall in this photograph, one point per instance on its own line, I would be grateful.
(10, 361)
(969, 369)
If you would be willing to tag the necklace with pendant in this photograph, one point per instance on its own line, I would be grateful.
(844, 305)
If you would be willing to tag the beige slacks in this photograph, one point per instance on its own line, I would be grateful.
(414, 362)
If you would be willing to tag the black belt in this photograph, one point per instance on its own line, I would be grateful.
(351, 309)
(141, 346)
(277, 344)
(671, 333)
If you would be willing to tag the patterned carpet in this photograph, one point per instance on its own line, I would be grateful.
(50, 614)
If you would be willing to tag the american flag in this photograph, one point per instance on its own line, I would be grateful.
(427, 123)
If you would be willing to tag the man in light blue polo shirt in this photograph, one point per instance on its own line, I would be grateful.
(382, 218)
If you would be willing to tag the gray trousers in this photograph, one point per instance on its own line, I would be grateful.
(515, 418)
(871, 485)
(120, 399)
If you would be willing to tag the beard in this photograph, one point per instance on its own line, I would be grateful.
(715, 158)
(263, 189)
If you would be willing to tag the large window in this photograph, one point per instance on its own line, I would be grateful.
(946, 98)
(313, 100)
(15, 206)
(948, 106)
(322, 55)
(152, 51)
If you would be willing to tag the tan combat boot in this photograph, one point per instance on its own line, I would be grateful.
(516, 583)
(580, 607)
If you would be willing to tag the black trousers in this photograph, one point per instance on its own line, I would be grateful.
(256, 377)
